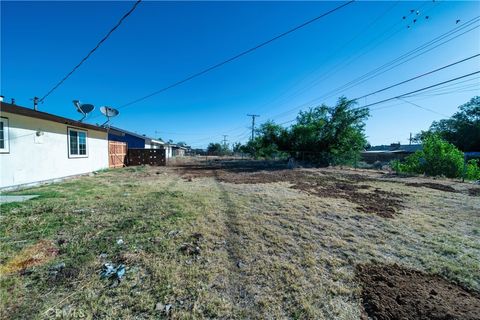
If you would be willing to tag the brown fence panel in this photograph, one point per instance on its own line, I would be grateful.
(117, 154)
(153, 157)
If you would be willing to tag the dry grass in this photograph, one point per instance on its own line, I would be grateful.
(215, 249)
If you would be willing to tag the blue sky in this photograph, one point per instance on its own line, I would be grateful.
(163, 42)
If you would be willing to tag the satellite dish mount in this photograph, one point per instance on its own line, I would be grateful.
(84, 108)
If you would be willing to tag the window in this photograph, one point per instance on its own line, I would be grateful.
(4, 142)
(77, 143)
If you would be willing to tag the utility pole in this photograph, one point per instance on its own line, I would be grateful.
(225, 141)
(410, 139)
(35, 103)
(253, 123)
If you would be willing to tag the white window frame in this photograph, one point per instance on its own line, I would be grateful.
(78, 155)
(6, 140)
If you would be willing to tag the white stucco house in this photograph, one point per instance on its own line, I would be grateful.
(38, 147)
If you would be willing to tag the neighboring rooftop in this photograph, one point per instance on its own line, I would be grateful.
(27, 112)
(395, 147)
(118, 131)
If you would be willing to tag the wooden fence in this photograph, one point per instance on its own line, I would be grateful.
(117, 154)
(153, 157)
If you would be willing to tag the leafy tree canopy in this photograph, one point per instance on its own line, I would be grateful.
(462, 129)
(325, 135)
(217, 149)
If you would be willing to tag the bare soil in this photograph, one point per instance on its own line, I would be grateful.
(474, 192)
(431, 185)
(321, 184)
(394, 292)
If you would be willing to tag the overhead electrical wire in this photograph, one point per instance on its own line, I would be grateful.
(451, 86)
(403, 58)
(335, 53)
(408, 94)
(399, 97)
(398, 60)
(470, 88)
(362, 80)
(449, 89)
(442, 85)
(424, 108)
(235, 57)
(341, 65)
(42, 99)
(419, 76)
(419, 90)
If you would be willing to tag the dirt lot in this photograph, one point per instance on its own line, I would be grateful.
(243, 239)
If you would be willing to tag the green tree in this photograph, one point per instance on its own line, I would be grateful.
(330, 135)
(270, 141)
(236, 147)
(217, 149)
(325, 135)
(462, 129)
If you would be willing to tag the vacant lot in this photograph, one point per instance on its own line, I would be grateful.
(243, 239)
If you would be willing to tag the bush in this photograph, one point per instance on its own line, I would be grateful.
(438, 157)
(472, 171)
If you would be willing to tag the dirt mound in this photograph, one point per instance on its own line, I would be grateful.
(474, 192)
(431, 185)
(394, 292)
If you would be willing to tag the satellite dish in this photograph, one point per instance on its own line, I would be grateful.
(87, 108)
(108, 112)
(84, 109)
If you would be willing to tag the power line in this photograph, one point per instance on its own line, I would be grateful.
(404, 95)
(417, 77)
(92, 51)
(376, 42)
(399, 97)
(424, 108)
(347, 62)
(373, 73)
(446, 87)
(215, 66)
(336, 52)
(393, 64)
(418, 90)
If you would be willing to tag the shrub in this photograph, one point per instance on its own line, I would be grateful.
(438, 157)
(472, 171)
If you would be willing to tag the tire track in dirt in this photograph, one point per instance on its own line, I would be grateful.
(237, 290)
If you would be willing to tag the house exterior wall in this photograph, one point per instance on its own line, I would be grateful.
(178, 152)
(35, 158)
(155, 144)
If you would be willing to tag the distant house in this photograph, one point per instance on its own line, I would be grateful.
(134, 140)
(37, 146)
(178, 151)
(138, 141)
(386, 153)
